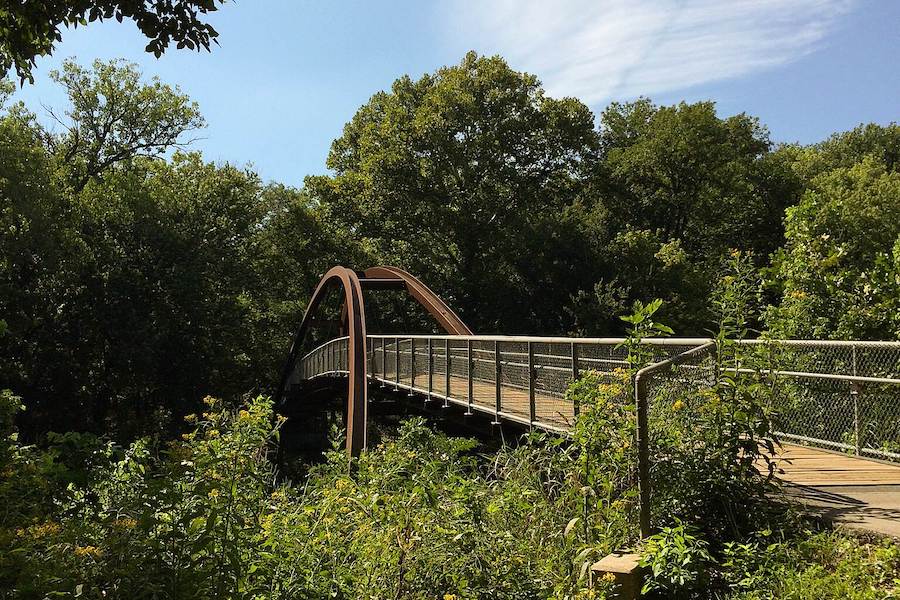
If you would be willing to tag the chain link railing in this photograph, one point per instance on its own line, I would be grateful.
(842, 395)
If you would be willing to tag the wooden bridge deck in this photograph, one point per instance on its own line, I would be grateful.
(849, 490)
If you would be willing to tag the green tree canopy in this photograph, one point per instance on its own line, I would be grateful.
(461, 176)
(115, 116)
(839, 272)
(30, 29)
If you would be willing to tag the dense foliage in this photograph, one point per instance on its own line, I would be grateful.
(421, 516)
(137, 279)
(32, 29)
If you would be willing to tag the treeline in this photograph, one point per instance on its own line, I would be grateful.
(135, 278)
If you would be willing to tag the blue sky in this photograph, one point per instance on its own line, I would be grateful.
(290, 73)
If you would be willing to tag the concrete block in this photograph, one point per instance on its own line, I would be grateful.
(625, 571)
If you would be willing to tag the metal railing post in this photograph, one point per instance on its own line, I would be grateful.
(470, 376)
(532, 374)
(497, 394)
(575, 374)
(412, 365)
(430, 367)
(854, 396)
(383, 361)
(447, 374)
(397, 364)
(643, 446)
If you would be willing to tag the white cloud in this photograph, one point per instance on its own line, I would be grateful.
(598, 50)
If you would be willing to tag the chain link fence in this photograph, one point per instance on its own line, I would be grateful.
(841, 395)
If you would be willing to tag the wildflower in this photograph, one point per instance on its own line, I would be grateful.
(93, 551)
(678, 405)
(609, 577)
(125, 523)
(213, 433)
(38, 531)
(449, 596)
(209, 401)
(213, 493)
(191, 418)
(243, 415)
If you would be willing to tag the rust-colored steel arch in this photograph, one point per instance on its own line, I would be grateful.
(356, 331)
(353, 320)
(448, 319)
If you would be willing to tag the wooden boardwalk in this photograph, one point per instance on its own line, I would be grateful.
(849, 490)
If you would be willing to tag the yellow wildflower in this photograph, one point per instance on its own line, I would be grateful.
(243, 415)
(213, 493)
(88, 551)
(449, 596)
(678, 405)
(125, 523)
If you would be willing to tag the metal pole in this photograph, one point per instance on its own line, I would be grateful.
(397, 364)
(469, 373)
(643, 444)
(383, 361)
(575, 373)
(430, 367)
(447, 373)
(497, 400)
(532, 417)
(412, 365)
(854, 395)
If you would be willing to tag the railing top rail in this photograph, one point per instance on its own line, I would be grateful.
(322, 345)
(669, 341)
(543, 339)
(823, 343)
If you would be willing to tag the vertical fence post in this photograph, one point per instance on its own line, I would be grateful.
(396, 364)
(470, 374)
(447, 373)
(643, 445)
(430, 367)
(575, 374)
(532, 374)
(854, 396)
(497, 398)
(412, 365)
(383, 361)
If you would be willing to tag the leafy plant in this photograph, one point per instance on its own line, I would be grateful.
(677, 558)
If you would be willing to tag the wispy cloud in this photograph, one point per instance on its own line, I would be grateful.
(598, 50)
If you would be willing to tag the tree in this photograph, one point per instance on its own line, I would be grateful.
(686, 173)
(29, 29)
(115, 117)
(676, 188)
(461, 177)
(838, 275)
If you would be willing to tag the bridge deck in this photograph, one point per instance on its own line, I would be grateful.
(852, 491)
(849, 490)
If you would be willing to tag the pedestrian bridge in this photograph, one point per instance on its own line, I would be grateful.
(839, 401)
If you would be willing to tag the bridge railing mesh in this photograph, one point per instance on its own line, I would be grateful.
(839, 395)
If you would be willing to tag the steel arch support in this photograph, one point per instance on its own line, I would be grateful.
(357, 393)
(438, 309)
